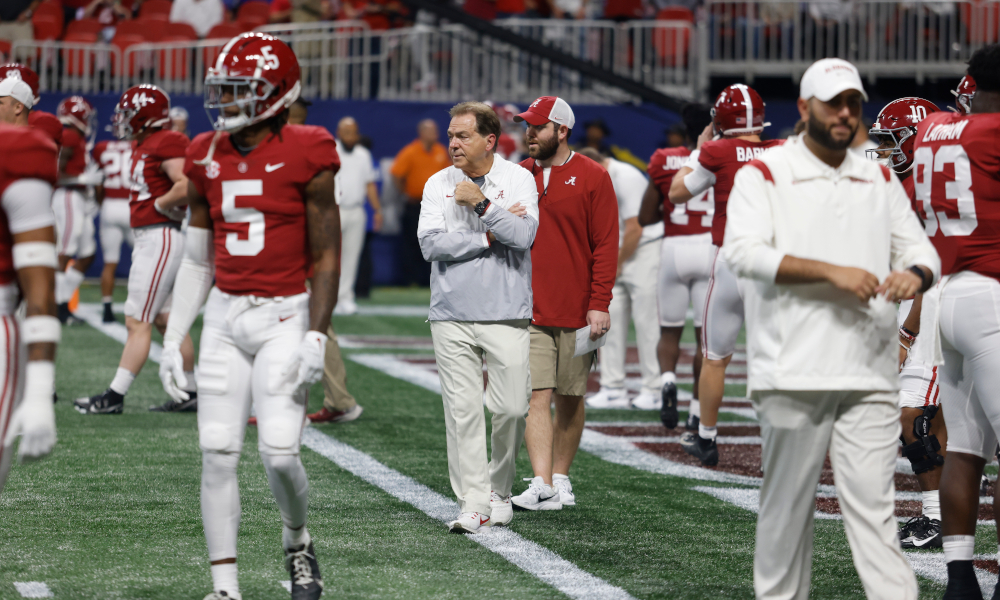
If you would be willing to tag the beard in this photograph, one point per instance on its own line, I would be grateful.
(545, 149)
(816, 130)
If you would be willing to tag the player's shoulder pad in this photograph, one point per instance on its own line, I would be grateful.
(48, 123)
(311, 134)
(198, 148)
(167, 144)
(30, 153)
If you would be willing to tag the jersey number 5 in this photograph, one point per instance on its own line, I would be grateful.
(255, 232)
(925, 163)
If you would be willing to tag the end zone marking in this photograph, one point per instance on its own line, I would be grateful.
(33, 589)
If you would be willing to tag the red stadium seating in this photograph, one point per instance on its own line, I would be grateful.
(675, 13)
(5, 51)
(253, 14)
(125, 41)
(225, 31)
(79, 62)
(48, 21)
(149, 31)
(84, 26)
(179, 31)
(155, 7)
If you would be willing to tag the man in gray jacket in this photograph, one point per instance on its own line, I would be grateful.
(478, 220)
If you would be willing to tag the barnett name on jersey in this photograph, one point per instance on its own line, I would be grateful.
(149, 182)
(694, 217)
(258, 207)
(956, 175)
(115, 158)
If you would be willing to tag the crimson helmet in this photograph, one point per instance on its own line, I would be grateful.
(79, 113)
(963, 94)
(258, 74)
(739, 110)
(19, 71)
(894, 128)
(505, 112)
(140, 107)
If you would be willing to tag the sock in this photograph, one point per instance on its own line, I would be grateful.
(293, 538)
(932, 504)
(190, 385)
(289, 485)
(224, 578)
(107, 299)
(695, 408)
(958, 547)
(122, 381)
(72, 280)
(707, 433)
(667, 377)
(558, 476)
(62, 297)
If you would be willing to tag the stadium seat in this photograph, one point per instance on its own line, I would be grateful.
(253, 11)
(147, 30)
(48, 21)
(154, 19)
(124, 41)
(76, 61)
(179, 32)
(155, 7)
(5, 51)
(675, 13)
(225, 31)
(84, 26)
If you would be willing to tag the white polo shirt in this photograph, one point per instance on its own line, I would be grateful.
(630, 184)
(814, 336)
(356, 172)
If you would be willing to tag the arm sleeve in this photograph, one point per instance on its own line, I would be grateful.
(511, 231)
(699, 179)
(193, 282)
(603, 228)
(27, 204)
(749, 243)
(436, 242)
(908, 243)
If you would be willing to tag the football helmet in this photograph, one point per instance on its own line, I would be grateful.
(894, 128)
(255, 73)
(140, 107)
(739, 110)
(963, 94)
(79, 113)
(24, 74)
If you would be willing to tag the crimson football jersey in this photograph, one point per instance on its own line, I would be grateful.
(694, 217)
(912, 195)
(258, 207)
(723, 158)
(47, 122)
(149, 182)
(115, 158)
(956, 175)
(26, 153)
(73, 140)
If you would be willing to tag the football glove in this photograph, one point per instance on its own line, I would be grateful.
(306, 365)
(172, 372)
(35, 419)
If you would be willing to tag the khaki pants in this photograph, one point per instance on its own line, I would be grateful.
(860, 429)
(553, 365)
(459, 348)
(335, 395)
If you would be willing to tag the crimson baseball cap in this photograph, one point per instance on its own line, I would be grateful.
(548, 108)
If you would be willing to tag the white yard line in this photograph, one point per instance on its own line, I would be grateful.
(33, 589)
(931, 565)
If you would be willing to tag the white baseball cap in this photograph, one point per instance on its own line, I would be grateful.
(548, 108)
(18, 90)
(828, 77)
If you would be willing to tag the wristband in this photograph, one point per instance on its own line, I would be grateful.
(35, 254)
(925, 281)
(41, 329)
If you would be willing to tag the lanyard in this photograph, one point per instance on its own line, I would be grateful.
(545, 190)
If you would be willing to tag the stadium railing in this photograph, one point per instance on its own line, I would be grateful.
(70, 67)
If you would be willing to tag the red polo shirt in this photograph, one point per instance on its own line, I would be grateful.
(575, 255)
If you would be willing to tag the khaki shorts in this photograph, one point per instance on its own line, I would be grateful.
(553, 365)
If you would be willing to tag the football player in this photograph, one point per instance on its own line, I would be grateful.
(47, 122)
(737, 122)
(958, 186)
(686, 255)
(156, 205)
(73, 207)
(963, 95)
(263, 214)
(924, 434)
(115, 160)
(27, 270)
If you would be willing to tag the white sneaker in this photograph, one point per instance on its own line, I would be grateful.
(501, 508)
(470, 522)
(538, 496)
(609, 398)
(647, 401)
(348, 307)
(565, 489)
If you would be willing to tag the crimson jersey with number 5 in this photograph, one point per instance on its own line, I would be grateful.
(956, 176)
(258, 208)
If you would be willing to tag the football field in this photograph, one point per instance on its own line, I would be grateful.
(114, 511)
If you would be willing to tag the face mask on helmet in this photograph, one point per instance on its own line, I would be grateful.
(231, 102)
(889, 152)
(121, 123)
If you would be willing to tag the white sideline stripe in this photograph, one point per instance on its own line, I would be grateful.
(749, 499)
(33, 589)
(529, 556)
(93, 314)
(287, 585)
(746, 440)
(721, 424)
(931, 565)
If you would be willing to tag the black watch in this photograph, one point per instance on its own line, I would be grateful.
(480, 208)
(925, 280)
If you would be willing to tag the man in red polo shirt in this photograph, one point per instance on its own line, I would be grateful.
(573, 263)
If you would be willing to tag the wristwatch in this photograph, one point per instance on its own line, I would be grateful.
(925, 281)
(480, 209)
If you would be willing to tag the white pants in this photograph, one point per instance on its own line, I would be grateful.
(353, 221)
(459, 348)
(685, 268)
(74, 223)
(970, 376)
(723, 311)
(156, 258)
(860, 429)
(918, 382)
(634, 298)
(115, 229)
(13, 358)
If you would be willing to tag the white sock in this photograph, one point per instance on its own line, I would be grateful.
(293, 538)
(558, 476)
(695, 408)
(62, 296)
(122, 381)
(73, 279)
(225, 579)
(707, 433)
(958, 547)
(667, 377)
(190, 385)
(107, 299)
(932, 504)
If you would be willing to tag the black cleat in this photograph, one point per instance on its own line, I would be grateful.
(707, 451)
(178, 407)
(109, 315)
(921, 532)
(668, 410)
(962, 582)
(984, 487)
(302, 566)
(108, 403)
(692, 422)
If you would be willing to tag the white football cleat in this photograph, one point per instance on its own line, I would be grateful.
(565, 489)
(470, 522)
(646, 401)
(609, 398)
(501, 509)
(538, 496)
